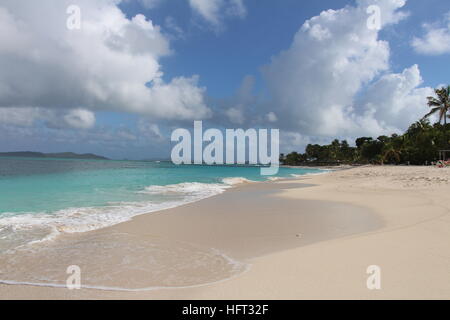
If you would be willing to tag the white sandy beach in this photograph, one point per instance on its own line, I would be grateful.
(310, 238)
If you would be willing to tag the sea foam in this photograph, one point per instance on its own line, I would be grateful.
(30, 228)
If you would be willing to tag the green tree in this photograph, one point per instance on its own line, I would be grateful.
(440, 104)
(360, 141)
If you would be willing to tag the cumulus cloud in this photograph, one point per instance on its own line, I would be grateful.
(335, 81)
(395, 101)
(112, 63)
(436, 39)
(215, 11)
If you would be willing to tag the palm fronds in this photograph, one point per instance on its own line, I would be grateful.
(440, 104)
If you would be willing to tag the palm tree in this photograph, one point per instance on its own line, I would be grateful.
(440, 104)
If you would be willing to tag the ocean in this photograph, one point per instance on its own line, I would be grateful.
(42, 198)
(46, 203)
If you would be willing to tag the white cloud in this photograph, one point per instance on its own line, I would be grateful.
(215, 11)
(436, 40)
(111, 63)
(174, 30)
(149, 130)
(333, 81)
(396, 100)
(236, 8)
(389, 10)
(208, 9)
(24, 117)
(271, 117)
(290, 141)
(80, 119)
(325, 84)
(126, 134)
(235, 115)
(52, 118)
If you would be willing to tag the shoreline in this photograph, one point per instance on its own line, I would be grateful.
(81, 217)
(271, 240)
(330, 257)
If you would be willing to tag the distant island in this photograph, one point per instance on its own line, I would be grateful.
(62, 155)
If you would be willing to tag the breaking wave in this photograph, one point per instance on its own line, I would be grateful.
(20, 229)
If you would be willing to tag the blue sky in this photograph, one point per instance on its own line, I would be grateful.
(137, 69)
(223, 59)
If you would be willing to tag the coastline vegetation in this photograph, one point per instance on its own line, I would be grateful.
(419, 145)
(61, 155)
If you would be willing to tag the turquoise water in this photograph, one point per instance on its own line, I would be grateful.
(43, 197)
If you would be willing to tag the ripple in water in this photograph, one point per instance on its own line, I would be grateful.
(118, 262)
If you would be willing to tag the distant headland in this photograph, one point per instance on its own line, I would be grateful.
(62, 155)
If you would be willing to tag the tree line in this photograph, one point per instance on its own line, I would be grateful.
(419, 145)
